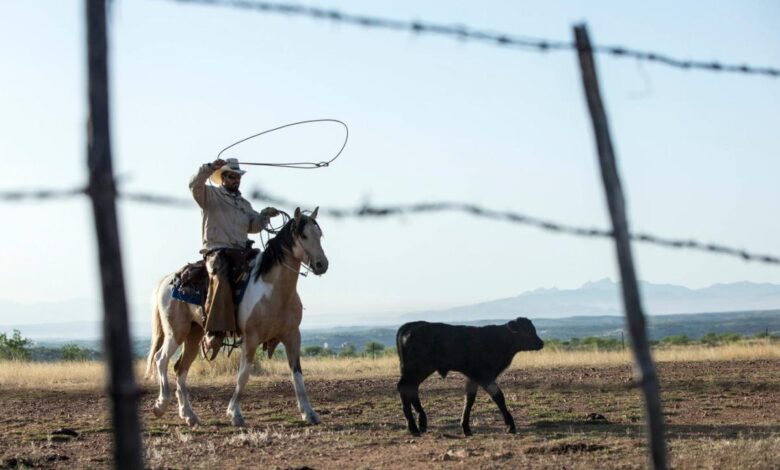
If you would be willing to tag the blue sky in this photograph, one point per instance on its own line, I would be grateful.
(430, 119)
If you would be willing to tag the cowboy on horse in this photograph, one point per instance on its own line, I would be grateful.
(227, 219)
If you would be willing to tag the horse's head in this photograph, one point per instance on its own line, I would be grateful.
(306, 235)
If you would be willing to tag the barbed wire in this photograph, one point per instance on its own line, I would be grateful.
(372, 211)
(465, 33)
(41, 194)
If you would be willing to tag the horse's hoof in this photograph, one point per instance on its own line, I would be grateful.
(238, 421)
(159, 409)
(467, 432)
(511, 430)
(191, 420)
(311, 418)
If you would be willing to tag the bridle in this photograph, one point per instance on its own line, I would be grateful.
(271, 230)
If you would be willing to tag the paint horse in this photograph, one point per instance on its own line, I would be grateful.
(269, 313)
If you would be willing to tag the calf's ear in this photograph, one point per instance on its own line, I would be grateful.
(513, 326)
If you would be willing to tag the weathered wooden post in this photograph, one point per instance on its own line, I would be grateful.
(617, 211)
(116, 340)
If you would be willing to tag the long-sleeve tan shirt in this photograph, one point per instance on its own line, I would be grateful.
(227, 217)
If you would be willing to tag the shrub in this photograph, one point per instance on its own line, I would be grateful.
(72, 352)
(766, 335)
(347, 350)
(712, 339)
(676, 340)
(373, 348)
(15, 347)
(313, 351)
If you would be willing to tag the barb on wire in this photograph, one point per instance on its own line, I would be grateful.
(369, 211)
(156, 199)
(465, 33)
(41, 194)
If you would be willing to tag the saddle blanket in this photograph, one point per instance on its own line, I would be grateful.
(196, 294)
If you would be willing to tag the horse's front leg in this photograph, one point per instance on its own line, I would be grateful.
(247, 356)
(182, 367)
(163, 356)
(292, 346)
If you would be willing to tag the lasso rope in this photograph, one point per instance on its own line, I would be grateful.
(296, 165)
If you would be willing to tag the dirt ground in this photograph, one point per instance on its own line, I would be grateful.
(719, 415)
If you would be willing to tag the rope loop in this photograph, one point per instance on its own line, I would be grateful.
(294, 165)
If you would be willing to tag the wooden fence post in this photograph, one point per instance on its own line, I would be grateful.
(116, 340)
(631, 297)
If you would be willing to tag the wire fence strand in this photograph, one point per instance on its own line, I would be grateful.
(376, 211)
(466, 33)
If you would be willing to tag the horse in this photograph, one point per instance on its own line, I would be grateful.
(269, 313)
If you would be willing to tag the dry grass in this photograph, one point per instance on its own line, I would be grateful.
(74, 375)
(720, 413)
(741, 453)
(726, 352)
(51, 375)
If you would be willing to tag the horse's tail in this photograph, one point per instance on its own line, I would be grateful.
(157, 331)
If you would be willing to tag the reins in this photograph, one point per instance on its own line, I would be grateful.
(271, 230)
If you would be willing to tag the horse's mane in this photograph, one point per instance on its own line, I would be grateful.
(281, 244)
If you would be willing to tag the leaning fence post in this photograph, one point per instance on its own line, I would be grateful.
(617, 211)
(116, 340)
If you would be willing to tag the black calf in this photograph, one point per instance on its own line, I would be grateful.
(479, 353)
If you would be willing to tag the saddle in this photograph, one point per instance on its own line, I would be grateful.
(191, 282)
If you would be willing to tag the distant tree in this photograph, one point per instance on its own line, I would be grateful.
(595, 342)
(373, 348)
(327, 350)
(709, 339)
(72, 352)
(765, 335)
(712, 339)
(730, 337)
(676, 340)
(313, 351)
(16, 347)
(347, 350)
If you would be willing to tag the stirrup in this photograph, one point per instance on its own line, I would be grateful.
(205, 348)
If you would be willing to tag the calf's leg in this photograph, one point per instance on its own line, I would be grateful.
(498, 397)
(471, 394)
(422, 417)
(408, 390)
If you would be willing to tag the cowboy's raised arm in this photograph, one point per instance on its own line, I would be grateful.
(198, 181)
(261, 219)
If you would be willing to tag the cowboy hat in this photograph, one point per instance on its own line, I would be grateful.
(231, 165)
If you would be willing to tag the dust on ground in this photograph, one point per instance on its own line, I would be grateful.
(718, 414)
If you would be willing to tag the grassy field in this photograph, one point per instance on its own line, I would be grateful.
(89, 374)
(722, 406)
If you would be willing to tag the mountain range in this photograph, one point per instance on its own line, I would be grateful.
(604, 298)
(80, 318)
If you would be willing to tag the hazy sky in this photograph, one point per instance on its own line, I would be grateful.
(430, 119)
